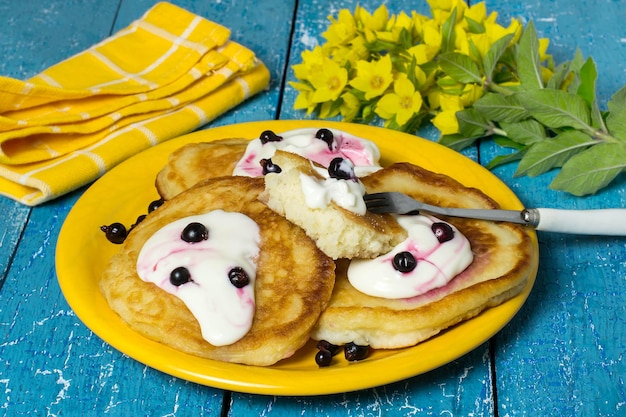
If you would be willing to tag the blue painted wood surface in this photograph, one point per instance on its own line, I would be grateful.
(563, 354)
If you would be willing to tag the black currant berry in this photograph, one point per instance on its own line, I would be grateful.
(155, 205)
(238, 277)
(323, 358)
(194, 232)
(404, 261)
(269, 167)
(269, 136)
(326, 345)
(354, 352)
(139, 220)
(327, 136)
(443, 231)
(341, 169)
(115, 232)
(180, 276)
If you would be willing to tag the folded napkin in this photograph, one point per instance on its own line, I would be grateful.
(165, 75)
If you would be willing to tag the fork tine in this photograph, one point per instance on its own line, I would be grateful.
(375, 196)
(391, 202)
(382, 209)
(378, 203)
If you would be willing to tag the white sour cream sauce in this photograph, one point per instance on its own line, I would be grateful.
(437, 263)
(224, 312)
(363, 153)
(318, 193)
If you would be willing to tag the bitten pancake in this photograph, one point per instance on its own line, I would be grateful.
(194, 162)
(501, 265)
(339, 232)
(293, 283)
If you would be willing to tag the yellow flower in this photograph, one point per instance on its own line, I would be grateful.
(342, 30)
(402, 21)
(328, 82)
(477, 12)
(493, 32)
(461, 42)
(374, 22)
(481, 42)
(546, 74)
(446, 120)
(441, 9)
(420, 77)
(328, 110)
(350, 106)
(543, 48)
(403, 103)
(363, 67)
(312, 62)
(373, 78)
(431, 42)
(303, 100)
(471, 93)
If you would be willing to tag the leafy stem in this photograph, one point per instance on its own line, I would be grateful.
(492, 86)
(551, 118)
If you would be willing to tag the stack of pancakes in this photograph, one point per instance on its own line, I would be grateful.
(301, 287)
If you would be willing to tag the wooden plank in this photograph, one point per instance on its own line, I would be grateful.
(36, 35)
(12, 223)
(462, 387)
(50, 363)
(564, 353)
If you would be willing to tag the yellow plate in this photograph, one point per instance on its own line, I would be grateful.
(125, 192)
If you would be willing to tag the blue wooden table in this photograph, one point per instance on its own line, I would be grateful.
(564, 354)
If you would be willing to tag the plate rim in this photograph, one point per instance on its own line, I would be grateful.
(258, 380)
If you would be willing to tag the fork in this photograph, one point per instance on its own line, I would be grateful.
(589, 222)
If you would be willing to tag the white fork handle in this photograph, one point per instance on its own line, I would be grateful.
(610, 222)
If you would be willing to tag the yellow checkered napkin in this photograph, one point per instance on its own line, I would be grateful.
(165, 75)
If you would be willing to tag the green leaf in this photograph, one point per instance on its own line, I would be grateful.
(587, 90)
(460, 67)
(474, 53)
(472, 123)
(457, 141)
(618, 99)
(556, 108)
(410, 71)
(575, 66)
(528, 63)
(448, 37)
(504, 159)
(616, 120)
(525, 132)
(506, 142)
(552, 153)
(591, 170)
(500, 108)
(473, 26)
(509, 58)
(405, 39)
(493, 55)
(587, 87)
(560, 75)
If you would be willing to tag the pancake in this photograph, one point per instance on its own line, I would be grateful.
(499, 270)
(293, 283)
(198, 161)
(194, 162)
(340, 232)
